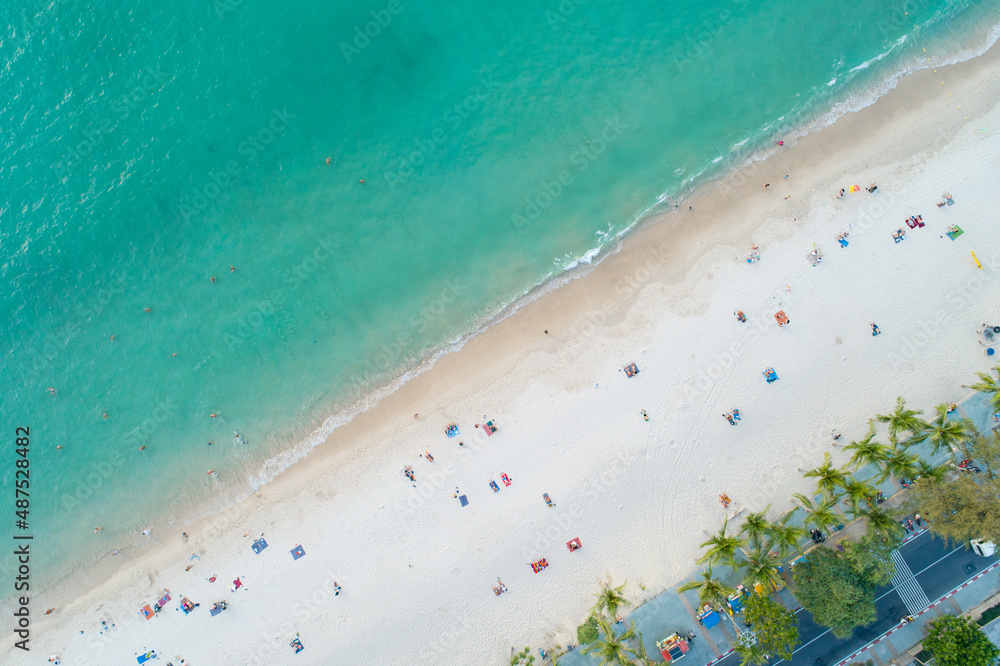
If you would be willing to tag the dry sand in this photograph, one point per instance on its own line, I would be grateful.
(417, 569)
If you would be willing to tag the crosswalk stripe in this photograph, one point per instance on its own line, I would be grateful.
(906, 585)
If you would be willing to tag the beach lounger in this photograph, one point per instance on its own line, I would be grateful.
(548, 500)
(574, 544)
(463, 500)
(258, 546)
(146, 612)
(539, 565)
(505, 479)
(494, 486)
(143, 658)
(297, 552)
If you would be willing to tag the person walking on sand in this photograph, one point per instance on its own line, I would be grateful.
(875, 330)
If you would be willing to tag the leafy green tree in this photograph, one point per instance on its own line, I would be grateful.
(960, 509)
(881, 522)
(613, 648)
(828, 477)
(869, 558)
(829, 588)
(989, 386)
(722, 548)
(867, 451)
(985, 450)
(588, 631)
(710, 589)
(522, 658)
(755, 526)
(945, 432)
(610, 600)
(752, 654)
(958, 641)
(776, 628)
(902, 420)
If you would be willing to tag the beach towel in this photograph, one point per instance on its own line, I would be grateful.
(548, 500)
(855, 188)
(574, 544)
(237, 584)
(489, 428)
(143, 658)
(539, 565)
(955, 232)
(165, 598)
(216, 609)
(297, 645)
(494, 486)
(463, 500)
(297, 552)
(146, 611)
(505, 479)
(258, 546)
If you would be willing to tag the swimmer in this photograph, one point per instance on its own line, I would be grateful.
(212, 278)
(213, 415)
(58, 446)
(362, 181)
(112, 338)
(142, 448)
(97, 529)
(52, 390)
(328, 161)
(173, 354)
(149, 309)
(232, 269)
(105, 415)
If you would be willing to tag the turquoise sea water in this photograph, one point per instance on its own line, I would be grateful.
(149, 148)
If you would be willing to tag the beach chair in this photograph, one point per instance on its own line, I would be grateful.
(258, 546)
(781, 318)
(574, 544)
(494, 486)
(548, 500)
(297, 552)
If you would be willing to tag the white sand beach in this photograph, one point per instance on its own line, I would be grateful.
(417, 569)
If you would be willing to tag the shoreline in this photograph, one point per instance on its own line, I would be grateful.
(666, 252)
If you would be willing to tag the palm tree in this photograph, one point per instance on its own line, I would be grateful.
(866, 451)
(899, 464)
(821, 515)
(761, 567)
(879, 520)
(722, 547)
(611, 599)
(902, 420)
(755, 526)
(710, 590)
(989, 386)
(828, 477)
(612, 648)
(926, 470)
(786, 537)
(857, 492)
(945, 432)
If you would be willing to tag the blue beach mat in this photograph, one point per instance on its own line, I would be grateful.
(463, 499)
(258, 546)
(297, 552)
(143, 658)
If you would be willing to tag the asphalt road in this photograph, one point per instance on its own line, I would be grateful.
(927, 568)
